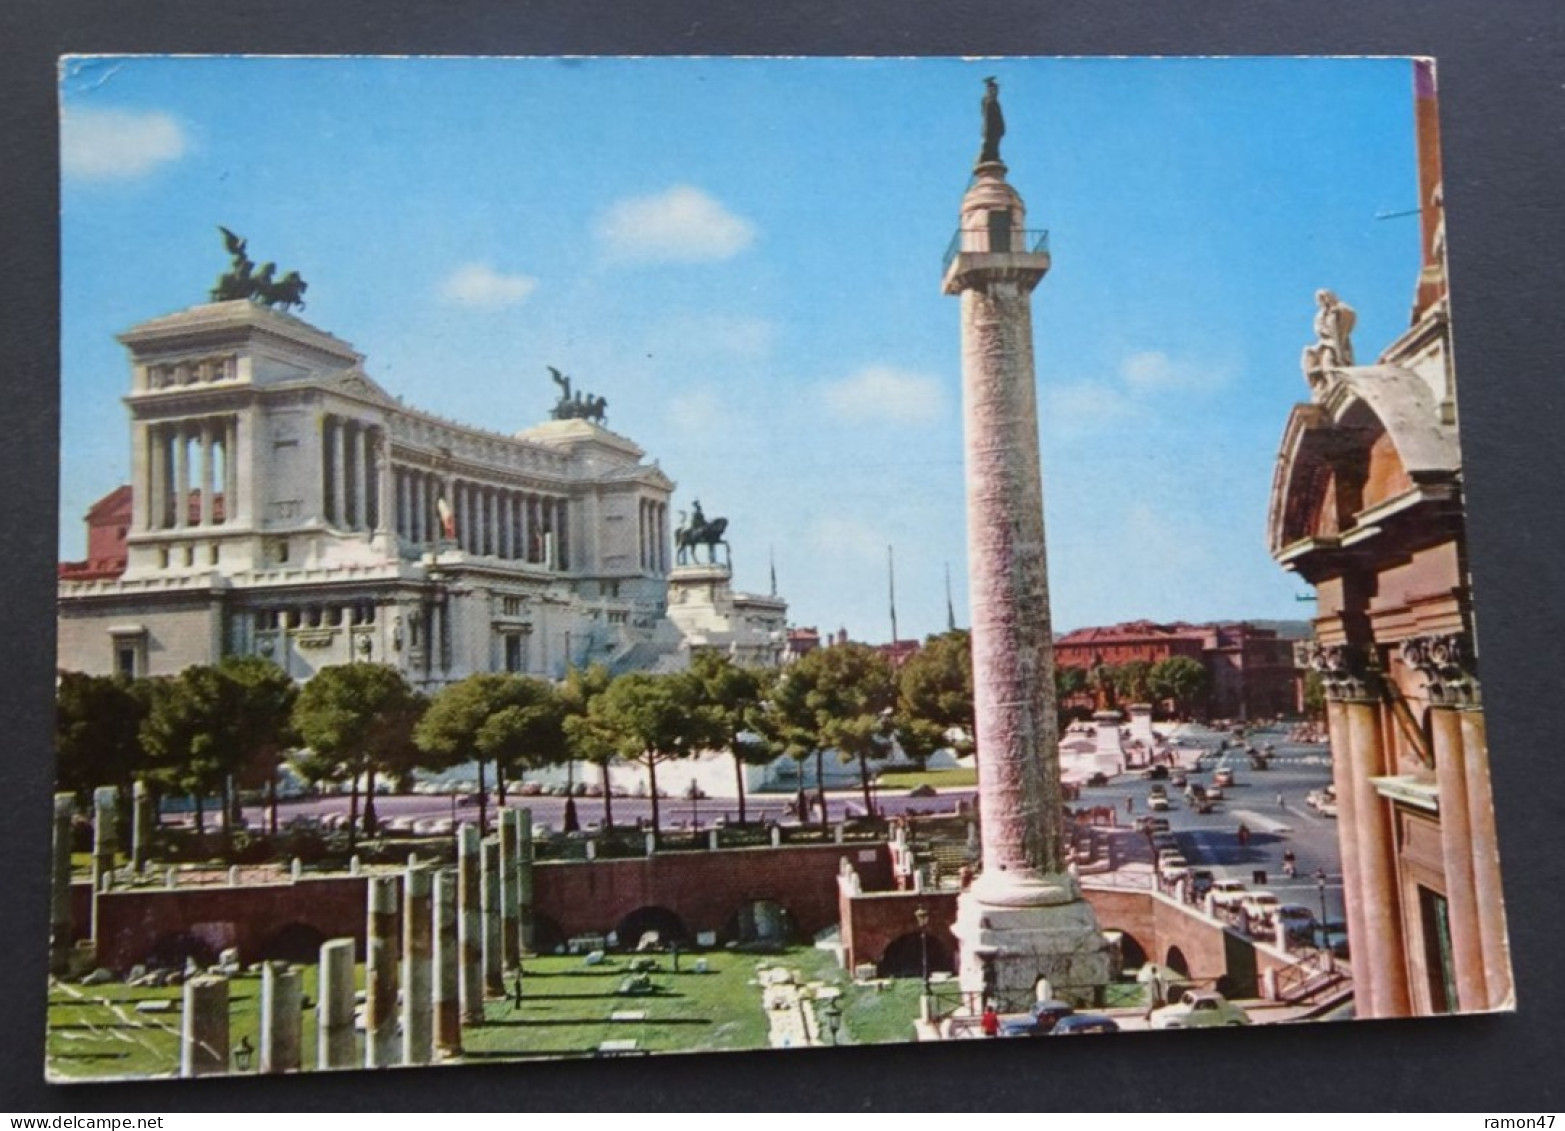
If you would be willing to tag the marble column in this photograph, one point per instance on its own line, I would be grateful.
(181, 477)
(417, 953)
(493, 956)
(203, 1030)
(448, 962)
(524, 879)
(339, 478)
(334, 1011)
(143, 822)
(1486, 859)
(380, 974)
(510, 939)
(230, 471)
(470, 923)
(1382, 904)
(1456, 849)
(105, 843)
(282, 1018)
(1024, 916)
(60, 923)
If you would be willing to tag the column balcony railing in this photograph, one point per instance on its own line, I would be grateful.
(1029, 241)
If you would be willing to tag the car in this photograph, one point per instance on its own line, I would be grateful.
(1259, 907)
(1228, 893)
(1223, 777)
(1214, 793)
(1201, 881)
(1160, 841)
(1155, 773)
(1158, 791)
(1037, 1021)
(1157, 825)
(1076, 1024)
(1158, 804)
(1098, 778)
(1328, 809)
(1169, 854)
(1199, 1009)
(1173, 867)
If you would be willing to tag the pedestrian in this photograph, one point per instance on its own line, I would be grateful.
(1130, 804)
(1281, 803)
(991, 1022)
(516, 995)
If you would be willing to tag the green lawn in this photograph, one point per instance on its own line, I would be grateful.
(960, 778)
(94, 1031)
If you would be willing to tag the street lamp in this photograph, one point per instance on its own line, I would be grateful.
(1320, 887)
(833, 1014)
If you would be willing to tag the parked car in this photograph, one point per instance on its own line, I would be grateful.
(1201, 881)
(1199, 1009)
(1158, 804)
(1155, 773)
(1223, 777)
(1157, 791)
(1037, 1021)
(1228, 893)
(1075, 1024)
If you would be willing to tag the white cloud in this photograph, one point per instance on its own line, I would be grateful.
(105, 145)
(882, 393)
(1084, 407)
(681, 225)
(478, 284)
(1155, 370)
(842, 538)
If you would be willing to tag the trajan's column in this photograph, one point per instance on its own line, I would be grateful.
(1024, 917)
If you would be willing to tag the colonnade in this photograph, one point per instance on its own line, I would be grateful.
(351, 458)
(185, 458)
(654, 536)
(1362, 732)
(493, 521)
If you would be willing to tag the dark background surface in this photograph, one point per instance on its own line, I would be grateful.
(1502, 84)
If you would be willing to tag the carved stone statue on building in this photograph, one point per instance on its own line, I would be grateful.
(1333, 346)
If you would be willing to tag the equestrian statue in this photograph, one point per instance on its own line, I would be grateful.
(700, 532)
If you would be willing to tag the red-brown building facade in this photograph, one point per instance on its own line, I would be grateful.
(1367, 507)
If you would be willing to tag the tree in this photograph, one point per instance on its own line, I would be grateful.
(843, 697)
(510, 720)
(357, 720)
(191, 736)
(1132, 681)
(650, 719)
(1180, 679)
(1069, 683)
(935, 697)
(264, 697)
(584, 740)
(731, 699)
(1314, 695)
(97, 724)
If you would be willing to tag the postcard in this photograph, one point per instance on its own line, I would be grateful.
(603, 557)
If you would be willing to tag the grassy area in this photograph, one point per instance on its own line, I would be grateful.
(567, 1008)
(959, 778)
(95, 1031)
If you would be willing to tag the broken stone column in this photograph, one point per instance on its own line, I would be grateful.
(203, 1030)
(417, 951)
(447, 995)
(525, 852)
(334, 1012)
(282, 1018)
(510, 902)
(494, 963)
(470, 923)
(143, 820)
(380, 974)
(60, 924)
(105, 843)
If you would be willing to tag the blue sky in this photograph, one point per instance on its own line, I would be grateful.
(744, 256)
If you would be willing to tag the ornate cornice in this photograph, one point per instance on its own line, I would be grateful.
(1447, 664)
(1345, 670)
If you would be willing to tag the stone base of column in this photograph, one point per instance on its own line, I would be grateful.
(1054, 935)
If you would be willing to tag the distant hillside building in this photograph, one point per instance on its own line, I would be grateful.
(283, 504)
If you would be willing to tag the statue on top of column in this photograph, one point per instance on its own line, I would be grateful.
(1333, 345)
(994, 123)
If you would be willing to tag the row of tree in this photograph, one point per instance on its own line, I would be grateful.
(215, 729)
(1177, 683)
